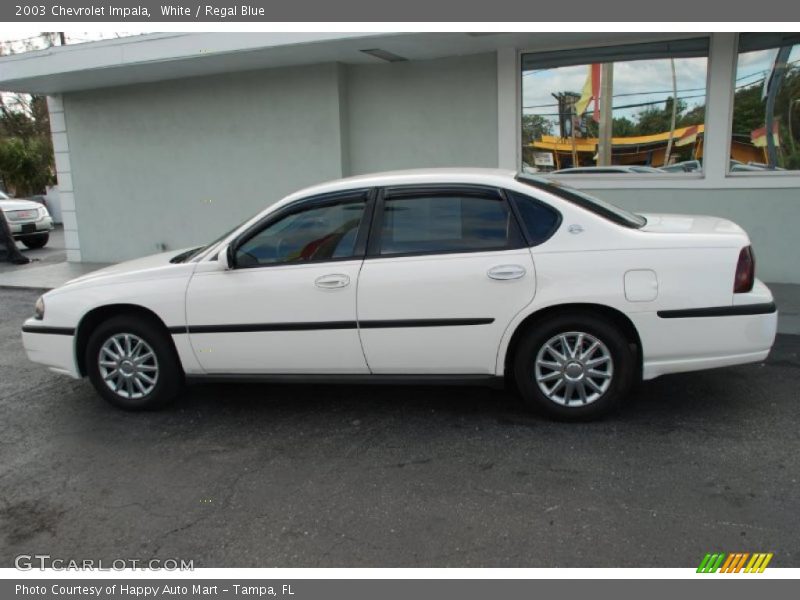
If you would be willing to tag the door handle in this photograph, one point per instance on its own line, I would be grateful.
(333, 281)
(505, 272)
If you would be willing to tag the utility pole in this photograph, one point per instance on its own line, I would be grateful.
(674, 113)
(775, 81)
(606, 116)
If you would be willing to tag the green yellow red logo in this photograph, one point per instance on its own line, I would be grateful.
(735, 562)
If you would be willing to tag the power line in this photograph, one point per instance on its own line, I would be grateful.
(627, 94)
(738, 87)
(636, 105)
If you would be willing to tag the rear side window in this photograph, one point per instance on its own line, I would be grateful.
(446, 223)
(539, 220)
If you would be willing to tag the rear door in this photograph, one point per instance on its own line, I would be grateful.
(446, 271)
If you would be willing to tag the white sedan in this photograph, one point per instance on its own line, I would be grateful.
(28, 221)
(432, 275)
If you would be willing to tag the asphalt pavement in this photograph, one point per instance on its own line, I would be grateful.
(371, 476)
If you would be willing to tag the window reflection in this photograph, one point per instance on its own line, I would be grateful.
(766, 98)
(642, 116)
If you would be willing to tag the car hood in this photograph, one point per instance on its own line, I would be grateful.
(696, 224)
(18, 205)
(147, 267)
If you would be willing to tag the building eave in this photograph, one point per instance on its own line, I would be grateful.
(162, 56)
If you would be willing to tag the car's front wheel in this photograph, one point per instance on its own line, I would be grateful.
(132, 364)
(574, 367)
(38, 240)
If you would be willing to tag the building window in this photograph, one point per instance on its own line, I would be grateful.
(637, 109)
(767, 97)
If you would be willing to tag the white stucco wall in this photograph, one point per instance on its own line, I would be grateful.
(435, 113)
(177, 163)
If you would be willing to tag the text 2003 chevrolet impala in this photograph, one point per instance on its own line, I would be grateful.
(437, 274)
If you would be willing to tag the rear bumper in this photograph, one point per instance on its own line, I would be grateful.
(705, 339)
(51, 347)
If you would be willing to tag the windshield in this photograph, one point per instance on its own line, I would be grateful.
(596, 205)
(190, 254)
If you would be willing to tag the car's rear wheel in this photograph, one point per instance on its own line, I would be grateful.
(574, 367)
(132, 364)
(35, 241)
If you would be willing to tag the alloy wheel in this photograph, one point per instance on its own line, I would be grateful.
(573, 368)
(128, 365)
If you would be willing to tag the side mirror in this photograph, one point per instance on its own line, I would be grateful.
(226, 257)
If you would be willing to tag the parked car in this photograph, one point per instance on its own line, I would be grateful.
(639, 169)
(28, 220)
(738, 167)
(686, 166)
(432, 275)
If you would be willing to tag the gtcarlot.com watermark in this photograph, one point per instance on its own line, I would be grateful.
(43, 562)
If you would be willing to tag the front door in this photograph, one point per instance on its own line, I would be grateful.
(447, 269)
(289, 303)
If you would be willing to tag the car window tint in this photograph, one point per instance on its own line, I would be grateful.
(538, 219)
(316, 234)
(445, 224)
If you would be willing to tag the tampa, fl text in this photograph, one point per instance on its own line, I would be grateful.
(154, 591)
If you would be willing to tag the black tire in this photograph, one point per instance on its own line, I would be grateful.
(622, 367)
(38, 240)
(169, 379)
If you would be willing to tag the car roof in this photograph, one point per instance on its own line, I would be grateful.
(477, 176)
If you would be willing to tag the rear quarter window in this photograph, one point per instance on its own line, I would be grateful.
(539, 220)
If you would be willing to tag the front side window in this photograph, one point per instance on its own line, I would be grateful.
(446, 223)
(639, 108)
(766, 98)
(315, 234)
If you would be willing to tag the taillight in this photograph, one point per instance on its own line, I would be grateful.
(745, 271)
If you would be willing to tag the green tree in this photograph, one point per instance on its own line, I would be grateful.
(26, 165)
(624, 127)
(695, 116)
(26, 149)
(655, 119)
(534, 127)
(748, 110)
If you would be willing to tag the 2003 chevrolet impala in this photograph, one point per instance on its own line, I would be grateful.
(421, 275)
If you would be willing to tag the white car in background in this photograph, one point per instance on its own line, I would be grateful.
(611, 169)
(29, 221)
(430, 275)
